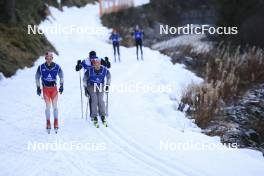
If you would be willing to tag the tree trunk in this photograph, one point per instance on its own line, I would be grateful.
(10, 10)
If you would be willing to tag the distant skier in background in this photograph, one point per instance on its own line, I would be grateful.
(115, 38)
(138, 36)
(48, 73)
(95, 85)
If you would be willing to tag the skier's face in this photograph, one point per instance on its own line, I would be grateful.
(97, 65)
(49, 59)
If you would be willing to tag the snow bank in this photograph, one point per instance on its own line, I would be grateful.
(193, 40)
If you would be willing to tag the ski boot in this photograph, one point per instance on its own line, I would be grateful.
(48, 126)
(56, 125)
(95, 122)
(104, 121)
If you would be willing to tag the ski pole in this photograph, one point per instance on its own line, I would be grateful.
(86, 113)
(106, 104)
(81, 93)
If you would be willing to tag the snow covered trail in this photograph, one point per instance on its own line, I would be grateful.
(138, 122)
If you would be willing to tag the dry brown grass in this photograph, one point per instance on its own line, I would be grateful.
(226, 72)
(204, 102)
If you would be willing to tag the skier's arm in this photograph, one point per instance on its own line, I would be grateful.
(108, 64)
(85, 65)
(61, 80)
(61, 76)
(86, 79)
(37, 77)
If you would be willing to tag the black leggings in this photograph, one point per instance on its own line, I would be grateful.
(139, 45)
(116, 48)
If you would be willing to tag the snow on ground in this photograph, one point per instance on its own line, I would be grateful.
(141, 2)
(194, 40)
(140, 124)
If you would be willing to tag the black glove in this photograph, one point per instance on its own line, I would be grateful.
(108, 65)
(61, 89)
(38, 91)
(106, 88)
(107, 62)
(79, 65)
(86, 92)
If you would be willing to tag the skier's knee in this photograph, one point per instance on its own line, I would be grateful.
(55, 112)
(48, 106)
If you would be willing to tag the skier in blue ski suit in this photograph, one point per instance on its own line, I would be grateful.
(115, 38)
(138, 37)
(94, 83)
